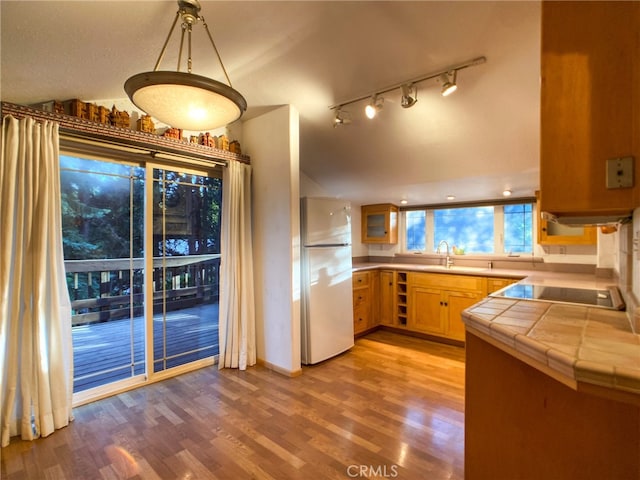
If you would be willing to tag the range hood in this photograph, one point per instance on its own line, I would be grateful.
(587, 220)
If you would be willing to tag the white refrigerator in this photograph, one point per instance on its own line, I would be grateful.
(326, 293)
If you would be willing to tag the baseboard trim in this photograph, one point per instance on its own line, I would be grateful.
(280, 370)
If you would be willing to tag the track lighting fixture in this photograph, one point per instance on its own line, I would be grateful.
(409, 96)
(409, 91)
(341, 118)
(374, 107)
(448, 83)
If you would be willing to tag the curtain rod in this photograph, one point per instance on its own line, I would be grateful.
(142, 148)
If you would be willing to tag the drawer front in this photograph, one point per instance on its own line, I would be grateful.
(361, 296)
(446, 281)
(361, 314)
(361, 279)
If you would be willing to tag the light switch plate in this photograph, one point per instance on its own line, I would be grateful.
(620, 172)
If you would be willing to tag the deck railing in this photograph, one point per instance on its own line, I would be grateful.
(109, 289)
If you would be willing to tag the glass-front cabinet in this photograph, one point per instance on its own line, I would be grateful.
(380, 223)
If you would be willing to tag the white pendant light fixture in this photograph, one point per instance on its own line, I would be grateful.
(183, 99)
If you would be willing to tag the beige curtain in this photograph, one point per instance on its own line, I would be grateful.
(36, 354)
(237, 311)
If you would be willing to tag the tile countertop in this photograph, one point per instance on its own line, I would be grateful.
(574, 344)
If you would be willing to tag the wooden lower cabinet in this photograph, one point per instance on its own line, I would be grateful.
(519, 423)
(387, 296)
(428, 303)
(436, 302)
(365, 300)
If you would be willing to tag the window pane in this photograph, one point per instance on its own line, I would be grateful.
(469, 229)
(415, 221)
(518, 228)
(102, 231)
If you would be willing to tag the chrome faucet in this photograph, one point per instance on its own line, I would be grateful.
(448, 260)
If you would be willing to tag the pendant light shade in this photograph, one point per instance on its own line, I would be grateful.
(183, 99)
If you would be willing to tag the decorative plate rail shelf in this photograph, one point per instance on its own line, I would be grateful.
(142, 142)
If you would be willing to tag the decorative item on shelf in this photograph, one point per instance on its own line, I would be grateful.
(235, 147)
(145, 124)
(223, 142)
(208, 140)
(75, 108)
(119, 119)
(103, 115)
(184, 99)
(174, 133)
(91, 110)
(53, 106)
(194, 139)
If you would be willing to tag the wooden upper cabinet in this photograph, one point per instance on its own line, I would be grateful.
(380, 223)
(590, 105)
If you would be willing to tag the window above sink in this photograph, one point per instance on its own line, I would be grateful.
(478, 229)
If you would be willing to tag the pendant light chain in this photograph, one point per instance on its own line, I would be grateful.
(213, 44)
(166, 42)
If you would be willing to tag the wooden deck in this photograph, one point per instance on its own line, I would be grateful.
(103, 352)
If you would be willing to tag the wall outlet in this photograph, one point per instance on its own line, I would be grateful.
(620, 172)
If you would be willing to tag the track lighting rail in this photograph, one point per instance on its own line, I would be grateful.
(452, 69)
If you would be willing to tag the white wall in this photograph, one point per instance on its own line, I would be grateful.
(272, 142)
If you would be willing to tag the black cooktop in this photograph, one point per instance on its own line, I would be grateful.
(606, 298)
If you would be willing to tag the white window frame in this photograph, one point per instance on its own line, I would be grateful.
(498, 226)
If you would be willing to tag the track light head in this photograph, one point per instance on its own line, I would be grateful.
(341, 118)
(449, 84)
(374, 106)
(409, 95)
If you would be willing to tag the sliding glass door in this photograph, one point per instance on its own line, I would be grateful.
(186, 264)
(103, 238)
(142, 258)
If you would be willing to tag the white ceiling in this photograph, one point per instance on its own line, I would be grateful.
(472, 144)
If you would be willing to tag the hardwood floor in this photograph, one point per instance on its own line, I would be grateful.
(391, 407)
